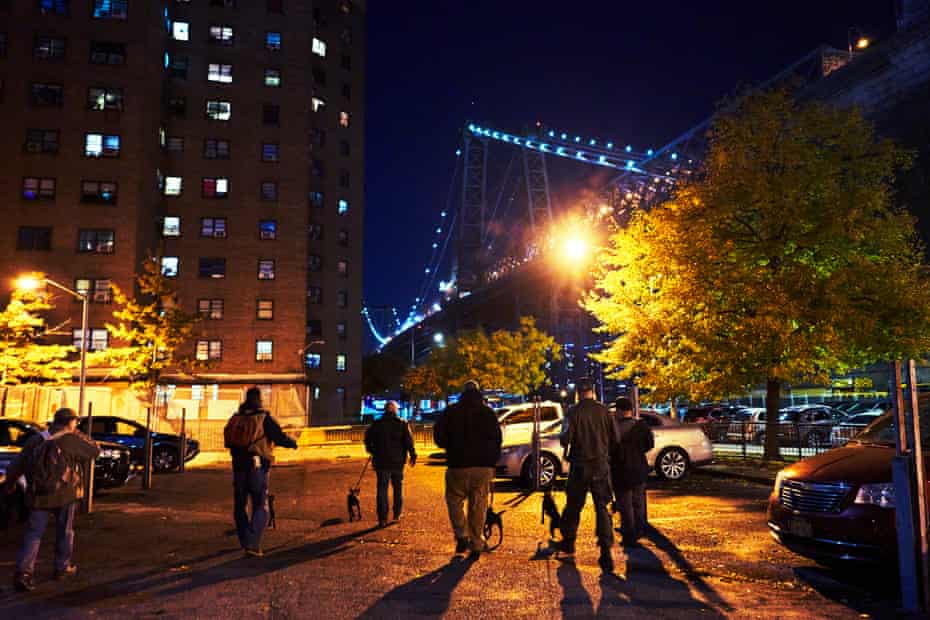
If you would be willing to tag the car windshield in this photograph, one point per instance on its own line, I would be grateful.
(788, 416)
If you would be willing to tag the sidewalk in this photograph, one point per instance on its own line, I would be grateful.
(751, 471)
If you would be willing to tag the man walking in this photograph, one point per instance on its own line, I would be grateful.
(251, 435)
(629, 470)
(469, 433)
(388, 440)
(54, 463)
(588, 436)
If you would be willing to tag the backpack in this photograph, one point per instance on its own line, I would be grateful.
(50, 470)
(243, 431)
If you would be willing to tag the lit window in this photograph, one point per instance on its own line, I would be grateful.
(344, 119)
(273, 78)
(34, 238)
(105, 99)
(196, 392)
(38, 189)
(211, 309)
(264, 350)
(97, 291)
(41, 141)
(59, 7)
(267, 229)
(269, 191)
(219, 73)
(270, 152)
(213, 227)
(180, 31)
(100, 192)
(342, 267)
(111, 9)
(212, 267)
(341, 362)
(219, 110)
(342, 299)
(273, 41)
(215, 149)
(170, 266)
(319, 47)
(316, 200)
(266, 269)
(317, 104)
(171, 227)
(215, 187)
(173, 186)
(93, 241)
(343, 207)
(209, 350)
(99, 339)
(314, 360)
(221, 35)
(265, 309)
(101, 145)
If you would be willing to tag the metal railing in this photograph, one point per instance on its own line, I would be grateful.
(795, 440)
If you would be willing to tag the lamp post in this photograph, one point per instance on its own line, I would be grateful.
(31, 283)
(303, 364)
(860, 41)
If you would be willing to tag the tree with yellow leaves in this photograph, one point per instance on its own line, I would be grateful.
(24, 358)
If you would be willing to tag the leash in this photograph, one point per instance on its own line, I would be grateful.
(358, 484)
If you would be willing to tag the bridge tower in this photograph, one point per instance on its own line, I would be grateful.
(537, 191)
(471, 222)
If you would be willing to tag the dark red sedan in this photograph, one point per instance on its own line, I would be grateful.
(839, 505)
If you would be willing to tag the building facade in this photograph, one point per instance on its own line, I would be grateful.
(225, 139)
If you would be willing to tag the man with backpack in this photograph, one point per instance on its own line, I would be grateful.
(251, 435)
(388, 440)
(629, 471)
(54, 463)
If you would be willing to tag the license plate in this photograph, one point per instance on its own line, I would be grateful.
(801, 527)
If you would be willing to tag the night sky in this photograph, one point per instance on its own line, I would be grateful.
(632, 72)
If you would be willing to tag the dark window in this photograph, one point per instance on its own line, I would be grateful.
(59, 7)
(271, 114)
(344, 178)
(45, 48)
(342, 299)
(3, 43)
(267, 229)
(318, 17)
(34, 238)
(315, 262)
(47, 94)
(317, 168)
(317, 137)
(319, 76)
(35, 188)
(343, 238)
(346, 35)
(264, 310)
(346, 62)
(211, 267)
(99, 192)
(107, 53)
(214, 227)
(211, 309)
(270, 191)
(316, 200)
(342, 330)
(96, 241)
(275, 6)
(174, 144)
(104, 98)
(177, 107)
(214, 187)
(223, 3)
(315, 295)
(178, 67)
(315, 232)
(111, 9)
(315, 328)
(344, 148)
(266, 269)
(270, 152)
(215, 149)
(347, 91)
(273, 41)
(41, 141)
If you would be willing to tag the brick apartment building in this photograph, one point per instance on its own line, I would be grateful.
(223, 137)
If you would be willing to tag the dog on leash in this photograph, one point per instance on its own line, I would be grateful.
(354, 506)
(272, 522)
(550, 510)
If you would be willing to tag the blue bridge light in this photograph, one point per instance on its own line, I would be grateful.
(565, 136)
(629, 148)
(650, 152)
(610, 145)
(674, 155)
(592, 142)
(551, 134)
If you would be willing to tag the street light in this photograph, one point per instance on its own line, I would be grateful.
(438, 338)
(859, 41)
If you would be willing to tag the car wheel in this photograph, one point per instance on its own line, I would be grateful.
(672, 464)
(815, 439)
(548, 470)
(165, 459)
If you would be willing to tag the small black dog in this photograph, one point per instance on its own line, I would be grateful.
(272, 522)
(550, 510)
(491, 520)
(355, 507)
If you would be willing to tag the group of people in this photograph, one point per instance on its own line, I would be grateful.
(606, 453)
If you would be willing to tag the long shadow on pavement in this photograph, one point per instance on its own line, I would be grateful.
(428, 595)
(874, 593)
(575, 601)
(662, 542)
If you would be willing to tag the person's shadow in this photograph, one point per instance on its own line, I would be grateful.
(428, 595)
(575, 602)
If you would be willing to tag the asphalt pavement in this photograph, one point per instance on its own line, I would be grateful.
(171, 553)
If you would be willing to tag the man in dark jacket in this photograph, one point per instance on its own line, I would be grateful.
(469, 433)
(389, 442)
(629, 470)
(250, 473)
(76, 452)
(588, 436)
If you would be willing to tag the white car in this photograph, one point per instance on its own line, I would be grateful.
(677, 449)
(516, 421)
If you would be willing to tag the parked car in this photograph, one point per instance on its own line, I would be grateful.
(807, 425)
(714, 419)
(677, 449)
(166, 448)
(851, 426)
(516, 421)
(12, 505)
(851, 407)
(747, 425)
(838, 506)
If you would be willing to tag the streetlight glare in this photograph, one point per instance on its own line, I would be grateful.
(862, 43)
(575, 249)
(28, 283)
(438, 337)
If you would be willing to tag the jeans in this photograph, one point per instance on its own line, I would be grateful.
(582, 478)
(632, 504)
(35, 528)
(396, 478)
(251, 485)
(471, 484)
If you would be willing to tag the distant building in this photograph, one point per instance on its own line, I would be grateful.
(224, 137)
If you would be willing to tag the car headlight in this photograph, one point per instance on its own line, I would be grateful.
(878, 494)
(110, 453)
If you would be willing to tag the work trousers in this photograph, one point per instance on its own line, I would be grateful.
(469, 484)
(396, 479)
(35, 528)
(250, 486)
(584, 478)
(631, 502)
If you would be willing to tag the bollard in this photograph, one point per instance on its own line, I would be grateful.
(88, 504)
(147, 468)
(182, 449)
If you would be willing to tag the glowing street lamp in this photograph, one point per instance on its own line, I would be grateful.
(439, 338)
(575, 248)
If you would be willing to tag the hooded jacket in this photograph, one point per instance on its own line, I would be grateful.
(469, 433)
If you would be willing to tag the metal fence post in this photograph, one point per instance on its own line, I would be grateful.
(182, 450)
(923, 549)
(147, 467)
(89, 485)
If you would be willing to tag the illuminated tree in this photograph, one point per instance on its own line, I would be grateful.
(23, 359)
(784, 259)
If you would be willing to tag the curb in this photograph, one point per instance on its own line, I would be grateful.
(737, 475)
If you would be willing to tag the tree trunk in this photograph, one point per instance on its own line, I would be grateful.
(772, 402)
